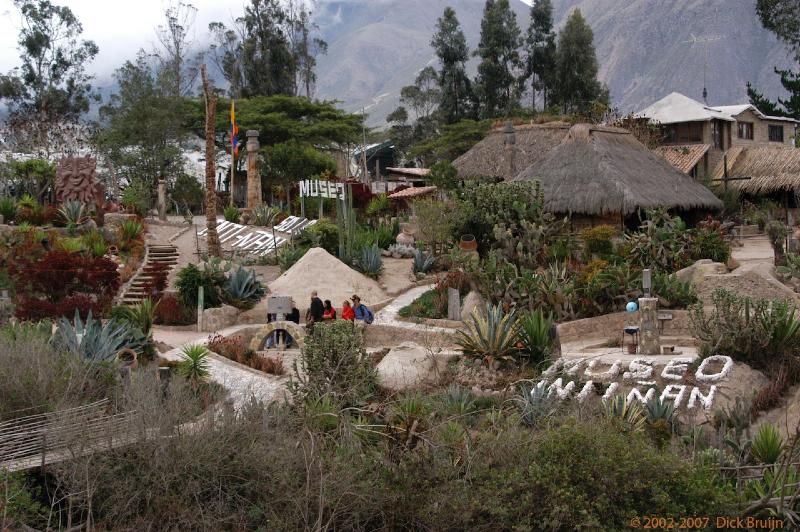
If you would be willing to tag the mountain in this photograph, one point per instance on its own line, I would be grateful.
(644, 48)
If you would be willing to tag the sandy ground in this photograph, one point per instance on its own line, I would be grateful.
(398, 275)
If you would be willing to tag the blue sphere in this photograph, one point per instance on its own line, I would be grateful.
(632, 306)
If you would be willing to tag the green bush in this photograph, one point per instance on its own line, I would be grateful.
(598, 239)
(334, 363)
(136, 198)
(378, 206)
(534, 333)
(8, 209)
(708, 242)
(289, 255)
(430, 305)
(188, 193)
(767, 445)
(231, 214)
(191, 278)
(323, 234)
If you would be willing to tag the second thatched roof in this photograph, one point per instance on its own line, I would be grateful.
(490, 157)
(769, 170)
(600, 170)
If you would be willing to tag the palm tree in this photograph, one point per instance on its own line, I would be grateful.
(212, 238)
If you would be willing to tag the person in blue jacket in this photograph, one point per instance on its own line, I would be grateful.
(363, 314)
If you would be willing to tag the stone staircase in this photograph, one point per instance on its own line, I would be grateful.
(157, 256)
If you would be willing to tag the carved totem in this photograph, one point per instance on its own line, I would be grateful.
(75, 180)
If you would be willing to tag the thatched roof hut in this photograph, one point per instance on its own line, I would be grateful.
(503, 153)
(601, 171)
(770, 170)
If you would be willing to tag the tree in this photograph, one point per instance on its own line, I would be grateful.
(305, 47)
(51, 89)
(256, 58)
(212, 238)
(176, 46)
(290, 162)
(497, 86)
(540, 46)
(453, 141)
(576, 66)
(762, 103)
(782, 17)
(187, 192)
(457, 99)
(142, 124)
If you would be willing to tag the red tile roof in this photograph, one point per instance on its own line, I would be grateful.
(684, 157)
(416, 192)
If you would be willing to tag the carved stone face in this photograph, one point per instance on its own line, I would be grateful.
(75, 179)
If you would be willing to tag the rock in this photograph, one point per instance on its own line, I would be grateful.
(6, 230)
(471, 302)
(222, 317)
(115, 219)
(410, 365)
(700, 269)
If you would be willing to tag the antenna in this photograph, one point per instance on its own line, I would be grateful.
(693, 39)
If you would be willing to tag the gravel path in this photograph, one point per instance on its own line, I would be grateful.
(390, 316)
(242, 383)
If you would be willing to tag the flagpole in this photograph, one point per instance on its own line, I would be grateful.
(233, 156)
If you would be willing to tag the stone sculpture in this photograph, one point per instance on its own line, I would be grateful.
(75, 180)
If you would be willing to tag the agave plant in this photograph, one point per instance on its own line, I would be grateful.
(535, 404)
(264, 215)
(96, 341)
(458, 401)
(27, 202)
(72, 212)
(141, 315)
(130, 230)
(629, 413)
(657, 410)
(423, 262)
(194, 365)
(490, 333)
(370, 263)
(534, 333)
(767, 444)
(243, 289)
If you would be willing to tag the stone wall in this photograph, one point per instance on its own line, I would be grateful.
(215, 319)
(761, 132)
(609, 326)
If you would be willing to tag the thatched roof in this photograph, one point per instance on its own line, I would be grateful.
(683, 157)
(769, 169)
(604, 170)
(490, 157)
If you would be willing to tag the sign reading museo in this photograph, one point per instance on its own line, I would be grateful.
(640, 374)
(315, 188)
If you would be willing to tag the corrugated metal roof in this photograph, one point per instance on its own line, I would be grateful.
(735, 110)
(675, 108)
(684, 157)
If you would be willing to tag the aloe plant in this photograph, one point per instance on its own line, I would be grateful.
(370, 263)
(264, 215)
(194, 365)
(96, 341)
(423, 262)
(141, 315)
(490, 333)
(27, 202)
(72, 212)
(130, 230)
(629, 413)
(243, 289)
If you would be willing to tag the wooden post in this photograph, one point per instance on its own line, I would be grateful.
(200, 309)
(253, 175)
(453, 304)
(162, 200)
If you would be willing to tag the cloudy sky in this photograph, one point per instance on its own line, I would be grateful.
(119, 27)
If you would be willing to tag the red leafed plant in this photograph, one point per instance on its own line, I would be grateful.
(157, 282)
(60, 282)
(171, 311)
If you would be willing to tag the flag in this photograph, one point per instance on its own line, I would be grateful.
(234, 131)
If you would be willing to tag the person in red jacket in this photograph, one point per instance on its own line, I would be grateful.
(329, 312)
(347, 311)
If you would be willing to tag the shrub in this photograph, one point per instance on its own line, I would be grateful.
(194, 365)
(130, 234)
(708, 242)
(171, 311)
(767, 444)
(661, 242)
(188, 192)
(535, 404)
(490, 333)
(323, 234)
(157, 282)
(403, 250)
(72, 213)
(370, 262)
(191, 278)
(142, 315)
(598, 239)
(59, 283)
(264, 215)
(231, 214)
(8, 209)
(672, 292)
(334, 362)
(378, 206)
(430, 305)
(534, 333)
(243, 290)
(136, 199)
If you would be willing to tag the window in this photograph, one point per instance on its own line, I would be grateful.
(746, 130)
(776, 133)
(683, 133)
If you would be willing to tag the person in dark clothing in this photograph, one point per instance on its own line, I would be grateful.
(294, 315)
(317, 309)
(330, 312)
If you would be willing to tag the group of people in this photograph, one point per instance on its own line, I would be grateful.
(320, 311)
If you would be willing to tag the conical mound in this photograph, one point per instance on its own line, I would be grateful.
(331, 278)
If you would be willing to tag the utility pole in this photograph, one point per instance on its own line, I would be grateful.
(704, 41)
(364, 148)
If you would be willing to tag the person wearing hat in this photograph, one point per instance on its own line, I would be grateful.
(362, 313)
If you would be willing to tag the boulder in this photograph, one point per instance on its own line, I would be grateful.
(697, 271)
(471, 302)
(115, 219)
(410, 365)
(218, 318)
